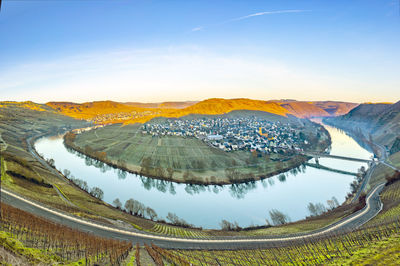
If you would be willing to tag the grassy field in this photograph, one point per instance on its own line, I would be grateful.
(177, 158)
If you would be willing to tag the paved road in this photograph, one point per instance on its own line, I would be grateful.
(372, 208)
(384, 154)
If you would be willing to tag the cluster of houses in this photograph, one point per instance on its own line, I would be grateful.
(85, 129)
(231, 134)
(121, 116)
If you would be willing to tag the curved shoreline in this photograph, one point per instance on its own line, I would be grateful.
(44, 135)
(78, 149)
(352, 221)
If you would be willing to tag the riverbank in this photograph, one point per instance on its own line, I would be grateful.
(183, 160)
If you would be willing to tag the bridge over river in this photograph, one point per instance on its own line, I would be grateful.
(317, 155)
(319, 166)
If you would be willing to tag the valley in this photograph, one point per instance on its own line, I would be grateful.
(72, 200)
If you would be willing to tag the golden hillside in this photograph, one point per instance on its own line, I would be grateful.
(221, 106)
(304, 109)
(127, 113)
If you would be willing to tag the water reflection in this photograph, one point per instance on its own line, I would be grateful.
(247, 203)
(237, 191)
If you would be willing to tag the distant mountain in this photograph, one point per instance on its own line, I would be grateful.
(216, 106)
(304, 109)
(91, 109)
(381, 121)
(163, 105)
(131, 112)
(334, 108)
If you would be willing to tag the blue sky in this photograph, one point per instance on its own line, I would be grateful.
(191, 50)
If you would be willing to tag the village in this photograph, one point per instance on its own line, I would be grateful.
(230, 134)
(121, 116)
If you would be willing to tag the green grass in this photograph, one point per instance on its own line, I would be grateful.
(204, 163)
(131, 259)
(384, 252)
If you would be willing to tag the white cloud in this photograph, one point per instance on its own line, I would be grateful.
(197, 29)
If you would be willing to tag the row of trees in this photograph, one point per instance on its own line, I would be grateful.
(94, 191)
(135, 207)
(319, 208)
(279, 218)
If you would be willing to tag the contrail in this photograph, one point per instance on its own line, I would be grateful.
(199, 28)
(269, 13)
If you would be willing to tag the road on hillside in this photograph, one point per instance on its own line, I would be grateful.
(372, 208)
(370, 171)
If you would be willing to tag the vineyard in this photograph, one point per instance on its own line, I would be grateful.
(373, 243)
(177, 231)
(55, 242)
(391, 204)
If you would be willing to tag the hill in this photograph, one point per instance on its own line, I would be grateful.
(133, 112)
(335, 108)
(380, 121)
(217, 106)
(304, 109)
(91, 110)
(163, 105)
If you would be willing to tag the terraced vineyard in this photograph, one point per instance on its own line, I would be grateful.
(391, 204)
(40, 241)
(178, 231)
(369, 245)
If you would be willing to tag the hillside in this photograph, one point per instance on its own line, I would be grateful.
(163, 105)
(381, 121)
(304, 109)
(335, 108)
(220, 106)
(133, 112)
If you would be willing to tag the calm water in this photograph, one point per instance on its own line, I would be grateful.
(206, 206)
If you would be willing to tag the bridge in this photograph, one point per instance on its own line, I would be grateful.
(317, 155)
(319, 166)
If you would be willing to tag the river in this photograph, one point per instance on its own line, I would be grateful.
(205, 206)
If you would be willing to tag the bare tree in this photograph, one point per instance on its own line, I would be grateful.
(117, 203)
(278, 218)
(226, 225)
(151, 213)
(129, 205)
(67, 173)
(311, 208)
(97, 193)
